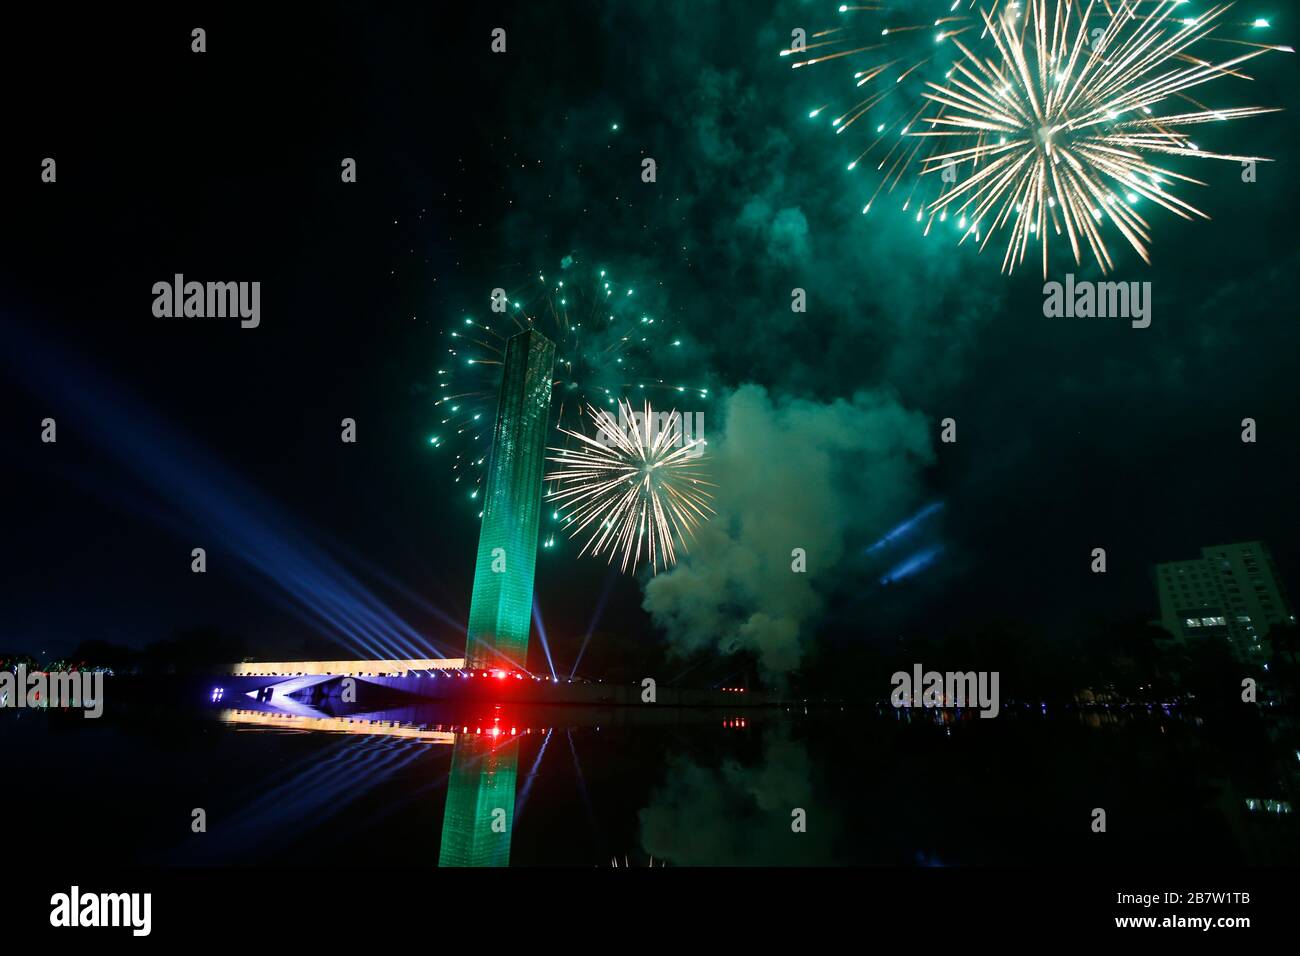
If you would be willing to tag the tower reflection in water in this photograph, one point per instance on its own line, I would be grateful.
(480, 808)
(479, 817)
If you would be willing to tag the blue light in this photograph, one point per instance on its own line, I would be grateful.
(541, 633)
(190, 492)
(906, 527)
(917, 562)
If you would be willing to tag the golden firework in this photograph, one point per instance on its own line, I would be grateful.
(1049, 116)
(638, 485)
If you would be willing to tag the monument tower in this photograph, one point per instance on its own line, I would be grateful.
(501, 606)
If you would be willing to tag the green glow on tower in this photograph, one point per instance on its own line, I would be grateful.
(501, 607)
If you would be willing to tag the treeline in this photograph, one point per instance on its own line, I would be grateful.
(193, 651)
(1102, 661)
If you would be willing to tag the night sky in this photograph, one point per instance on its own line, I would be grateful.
(1072, 433)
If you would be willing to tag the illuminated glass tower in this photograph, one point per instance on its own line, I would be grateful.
(501, 607)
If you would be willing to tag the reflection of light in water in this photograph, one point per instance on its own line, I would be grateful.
(333, 725)
(311, 793)
(480, 781)
(373, 726)
(532, 777)
(582, 785)
(1255, 804)
(478, 819)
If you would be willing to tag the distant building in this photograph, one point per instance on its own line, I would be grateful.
(1231, 592)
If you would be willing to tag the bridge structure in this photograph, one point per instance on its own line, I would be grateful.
(314, 682)
(286, 681)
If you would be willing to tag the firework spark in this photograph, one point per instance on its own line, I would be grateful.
(1072, 107)
(898, 51)
(610, 342)
(1053, 109)
(637, 486)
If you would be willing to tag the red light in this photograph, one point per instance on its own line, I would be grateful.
(499, 674)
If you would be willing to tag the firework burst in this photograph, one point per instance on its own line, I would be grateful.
(898, 50)
(635, 487)
(1050, 118)
(610, 343)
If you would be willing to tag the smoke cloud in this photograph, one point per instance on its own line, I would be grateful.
(792, 474)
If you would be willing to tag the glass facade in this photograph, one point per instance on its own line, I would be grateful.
(501, 606)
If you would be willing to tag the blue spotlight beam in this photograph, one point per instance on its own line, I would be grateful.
(611, 576)
(215, 506)
(541, 633)
(917, 562)
(905, 528)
